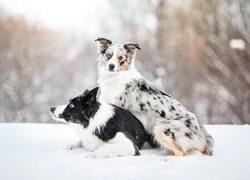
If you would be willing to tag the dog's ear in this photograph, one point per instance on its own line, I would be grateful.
(131, 47)
(103, 44)
(94, 91)
(92, 95)
(85, 92)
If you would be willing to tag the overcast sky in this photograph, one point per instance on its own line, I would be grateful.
(58, 14)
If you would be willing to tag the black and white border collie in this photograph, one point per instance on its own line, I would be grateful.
(173, 126)
(107, 130)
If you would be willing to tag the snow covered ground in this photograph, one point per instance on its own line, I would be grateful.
(37, 151)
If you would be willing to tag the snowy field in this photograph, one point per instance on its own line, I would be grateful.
(37, 152)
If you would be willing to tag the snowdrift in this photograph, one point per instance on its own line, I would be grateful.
(38, 151)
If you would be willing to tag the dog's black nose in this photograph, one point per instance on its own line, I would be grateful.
(111, 66)
(52, 109)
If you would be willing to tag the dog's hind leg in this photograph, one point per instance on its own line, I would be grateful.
(166, 138)
(181, 136)
(120, 145)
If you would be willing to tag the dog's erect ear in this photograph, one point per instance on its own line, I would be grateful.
(91, 96)
(103, 44)
(131, 47)
(94, 91)
(85, 92)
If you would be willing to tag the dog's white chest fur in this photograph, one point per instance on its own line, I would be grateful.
(113, 84)
(89, 141)
(87, 135)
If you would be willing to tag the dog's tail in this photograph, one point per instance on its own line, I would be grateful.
(209, 142)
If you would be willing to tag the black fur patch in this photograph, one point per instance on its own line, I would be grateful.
(142, 105)
(189, 135)
(188, 122)
(127, 87)
(146, 88)
(142, 86)
(122, 62)
(137, 153)
(162, 114)
(165, 94)
(148, 103)
(172, 109)
(152, 142)
(167, 132)
(81, 109)
(173, 136)
(123, 121)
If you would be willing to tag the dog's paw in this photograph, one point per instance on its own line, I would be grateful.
(71, 147)
(93, 155)
(96, 155)
(74, 146)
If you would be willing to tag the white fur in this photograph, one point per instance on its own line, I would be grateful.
(112, 83)
(78, 144)
(120, 145)
(104, 113)
(113, 61)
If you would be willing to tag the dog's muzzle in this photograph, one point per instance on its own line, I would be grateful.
(57, 111)
(111, 67)
(53, 109)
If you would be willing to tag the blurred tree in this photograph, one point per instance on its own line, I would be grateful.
(189, 48)
(212, 76)
(36, 66)
(199, 48)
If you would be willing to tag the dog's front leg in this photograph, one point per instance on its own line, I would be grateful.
(78, 144)
(120, 145)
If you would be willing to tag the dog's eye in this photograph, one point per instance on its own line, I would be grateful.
(108, 56)
(71, 105)
(120, 58)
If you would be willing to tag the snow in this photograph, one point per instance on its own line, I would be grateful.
(38, 151)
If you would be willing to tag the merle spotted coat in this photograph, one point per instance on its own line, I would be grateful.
(172, 125)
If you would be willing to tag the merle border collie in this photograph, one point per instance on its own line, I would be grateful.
(107, 130)
(173, 126)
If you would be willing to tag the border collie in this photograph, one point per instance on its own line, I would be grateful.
(173, 126)
(108, 130)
